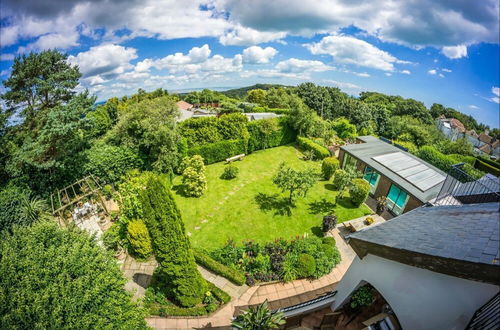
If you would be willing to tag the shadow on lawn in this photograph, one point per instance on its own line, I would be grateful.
(346, 203)
(321, 206)
(179, 190)
(280, 205)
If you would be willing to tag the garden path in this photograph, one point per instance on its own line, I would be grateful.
(279, 294)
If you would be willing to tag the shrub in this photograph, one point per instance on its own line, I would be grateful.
(306, 265)
(193, 176)
(339, 177)
(138, 238)
(219, 151)
(329, 222)
(230, 172)
(112, 238)
(487, 167)
(329, 166)
(359, 191)
(328, 240)
(320, 152)
(107, 191)
(445, 162)
(11, 207)
(410, 146)
(177, 274)
(363, 296)
(328, 250)
(369, 220)
(109, 162)
(216, 267)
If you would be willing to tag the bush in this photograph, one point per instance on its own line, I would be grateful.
(445, 162)
(359, 191)
(369, 220)
(329, 166)
(11, 207)
(112, 238)
(216, 267)
(193, 176)
(110, 163)
(328, 240)
(306, 265)
(138, 238)
(269, 133)
(230, 172)
(338, 177)
(219, 151)
(363, 296)
(410, 146)
(320, 152)
(329, 222)
(328, 250)
(486, 167)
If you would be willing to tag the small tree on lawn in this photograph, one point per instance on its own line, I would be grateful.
(342, 180)
(177, 274)
(193, 176)
(294, 181)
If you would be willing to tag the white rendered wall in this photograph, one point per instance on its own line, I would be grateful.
(420, 298)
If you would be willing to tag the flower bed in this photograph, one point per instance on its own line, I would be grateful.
(160, 305)
(281, 260)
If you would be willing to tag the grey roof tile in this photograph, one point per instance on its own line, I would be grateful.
(465, 232)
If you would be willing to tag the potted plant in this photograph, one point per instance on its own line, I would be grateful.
(381, 204)
(329, 222)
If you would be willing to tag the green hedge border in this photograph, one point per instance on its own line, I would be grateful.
(320, 152)
(203, 259)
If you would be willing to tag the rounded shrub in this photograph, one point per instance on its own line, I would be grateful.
(328, 249)
(359, 191)
(338, 177)
(306, 265)
(139, 239)
(230, 172)
(329, 166)
(328, 240)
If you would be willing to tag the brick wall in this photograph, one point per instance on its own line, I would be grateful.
(341, 157)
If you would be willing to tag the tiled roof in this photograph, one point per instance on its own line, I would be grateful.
(466, 232)
(184, 105)
(485, 138)
(485, 148)
(455, 123)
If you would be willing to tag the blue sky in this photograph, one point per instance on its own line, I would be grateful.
(437, 51)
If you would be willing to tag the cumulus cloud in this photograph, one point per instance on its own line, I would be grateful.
(341, 84)
(496, 93)
(6, 57)
(242, 36)
(104, 62)
(350, 50)
(294, 65)
(405, 71)
(473, 107)
(258, 55)
(455, 52)
(446, 70)
(432, 72)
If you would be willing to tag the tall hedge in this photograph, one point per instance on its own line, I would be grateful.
(444, 162)
(319, 151)
(269, 133)
(139, 239)
(219, 151)
(177, 274)
(329, 166)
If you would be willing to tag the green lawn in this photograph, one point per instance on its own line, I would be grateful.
(252, 207)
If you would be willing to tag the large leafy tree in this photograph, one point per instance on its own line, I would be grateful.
(259, 318)
(39, 81)
(177, 274)
(54, 278)
(293, 181)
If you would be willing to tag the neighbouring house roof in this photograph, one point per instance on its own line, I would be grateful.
(184, 105)
(457, 124)
(472, 133)
(495, 144)
(406, 174)
(485, 138)
(184, 114)
(486, 148)
(462, 241)
(260, 115)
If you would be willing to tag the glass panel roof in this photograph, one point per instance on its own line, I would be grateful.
(412, 170)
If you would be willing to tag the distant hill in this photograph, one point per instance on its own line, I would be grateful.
(241, 92)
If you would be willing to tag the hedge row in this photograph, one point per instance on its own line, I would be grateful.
(279, 111)
(219, 151)
(444, 162)
(269, 133)
(485, 167)
(320, 152)
(216, 267)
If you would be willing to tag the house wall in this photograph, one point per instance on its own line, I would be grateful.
(420, 298)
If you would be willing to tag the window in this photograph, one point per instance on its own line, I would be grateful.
(397, 199)
(372, 177)
(349, 162)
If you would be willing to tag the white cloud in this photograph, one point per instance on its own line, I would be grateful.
(258, 55)
(405, 71)
(432, 72)
(6, 57)
(341, 84)
(446, 70)
(388, 74)
(51, 41)
(455, 52)
(441, 75)
(473, 107)
(496, 92)
(104, 62)
(242, 36)
(349, 50)
(294, 65)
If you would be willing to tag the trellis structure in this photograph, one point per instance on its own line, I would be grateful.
(68, 196)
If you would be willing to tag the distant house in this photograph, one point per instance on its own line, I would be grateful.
(406, 180)
(187, 111)
(436, 267)
(260, 115)
(452, 128)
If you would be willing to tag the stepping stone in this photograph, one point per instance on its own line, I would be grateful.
(221, 202)
(231, 193)
(204, 221)
(226, 197)
(197, 228)
(189, 233)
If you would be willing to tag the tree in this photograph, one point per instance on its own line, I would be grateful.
(138, 237)
(56, 278)
(11, 207)
(40, 81)
(148, 128)
(177, 275)
(344, 129)
(193, 176)
(342, 179)
(295, 182)
(256, 96)
(259, 318)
